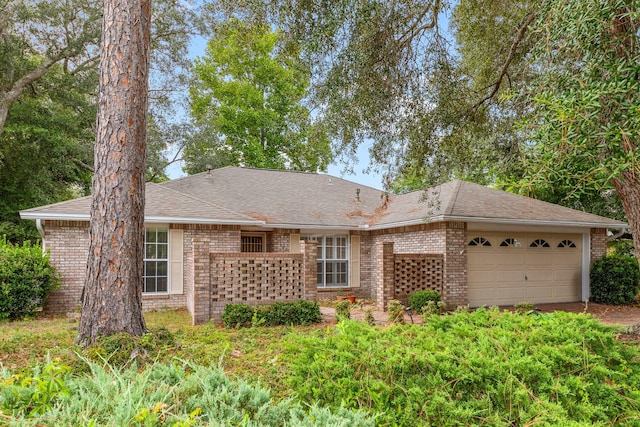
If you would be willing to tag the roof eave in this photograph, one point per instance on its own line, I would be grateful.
(148, 219)
(506, 221)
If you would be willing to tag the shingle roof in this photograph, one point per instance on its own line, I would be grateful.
(234, 195)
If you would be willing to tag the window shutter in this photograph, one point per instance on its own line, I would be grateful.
(294, 243)
(176, 279)
(354, 262)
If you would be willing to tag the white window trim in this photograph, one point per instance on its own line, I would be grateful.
(167, 260)
(324, 260)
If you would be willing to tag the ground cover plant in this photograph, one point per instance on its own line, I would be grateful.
(463, 368)
(473, 368)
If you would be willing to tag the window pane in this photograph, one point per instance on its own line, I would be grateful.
(161, 285)
(163, 236)
(151, 268)
(162, 268)
(150, 251)
(150, 284)
(151, 236)
(163, 251)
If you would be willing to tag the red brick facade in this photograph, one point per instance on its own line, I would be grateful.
(442, 243)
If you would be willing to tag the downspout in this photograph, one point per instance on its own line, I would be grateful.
(41, 231)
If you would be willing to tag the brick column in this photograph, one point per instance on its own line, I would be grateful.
(385, 274)
(310, 250)
(455, 291)
(201, 280)
(598, 243)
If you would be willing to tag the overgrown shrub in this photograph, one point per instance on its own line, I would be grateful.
(614, 280)
(395, 310)
(484, 367)
(160, 395)
(343, 310)
(237, 315)
(524, 307)
(121, 348)
(419, 299)
(368, 317)
(279, 313)
(26, 278)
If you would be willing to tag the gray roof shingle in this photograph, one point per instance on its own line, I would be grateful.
(234, 195)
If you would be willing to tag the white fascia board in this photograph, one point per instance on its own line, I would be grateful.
(316, 227)
(506, 221)
(147, 219)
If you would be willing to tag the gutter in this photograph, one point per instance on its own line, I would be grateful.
(511, 221)
(38, 217)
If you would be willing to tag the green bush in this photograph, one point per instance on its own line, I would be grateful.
(484, 367)
(419, 299)
(279, 313)
(396, 311)
(237, 315)
(614, 280)
(161, 395)
(26, 278)
(343, 310)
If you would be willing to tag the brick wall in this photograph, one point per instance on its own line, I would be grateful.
(68, 245)
(598, 243)
(455, 291)
(252, 279)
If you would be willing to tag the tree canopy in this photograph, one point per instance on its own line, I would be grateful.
(247, 102)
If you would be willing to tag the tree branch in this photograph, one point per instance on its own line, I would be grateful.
(505, 67)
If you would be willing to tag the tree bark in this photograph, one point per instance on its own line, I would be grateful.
(627, 186)
(112, 295)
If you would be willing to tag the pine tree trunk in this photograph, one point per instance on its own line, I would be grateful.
(112, 295)
(628, 188)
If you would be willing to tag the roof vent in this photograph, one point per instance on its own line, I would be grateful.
(358, 194)
(208, 168)
(330, 181)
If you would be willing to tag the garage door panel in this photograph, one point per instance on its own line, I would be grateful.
(539, 275)
(483, 277)
(536, 257)
(508, 275)
(505, 258)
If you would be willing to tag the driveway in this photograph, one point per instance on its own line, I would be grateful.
(608, 314)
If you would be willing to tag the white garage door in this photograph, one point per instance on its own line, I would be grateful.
(505, 269)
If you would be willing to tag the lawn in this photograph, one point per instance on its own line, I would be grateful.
(481, 368)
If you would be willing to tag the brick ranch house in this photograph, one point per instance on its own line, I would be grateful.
(256, 236)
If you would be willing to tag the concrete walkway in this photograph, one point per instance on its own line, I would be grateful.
(608, 314)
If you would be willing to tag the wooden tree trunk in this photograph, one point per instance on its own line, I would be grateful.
(112, 295)
(628, 188)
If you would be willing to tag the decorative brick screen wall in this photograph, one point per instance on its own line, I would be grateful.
(252, 278)
(417, 272)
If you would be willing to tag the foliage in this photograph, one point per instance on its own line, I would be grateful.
(615, 279)
(26, 278)
(237, 315)
(524, 307)
(620, 247)
(343, 310)
(432, 308)
(163, 394)
(396, 310)
(479, 368)
(121, 349)
(279, 313)
(248, 91)
(419, 299)
(368, 317)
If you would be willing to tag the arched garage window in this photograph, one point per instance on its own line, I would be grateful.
(566, 244)
(511, 242)
(479, 241)
(539, 243)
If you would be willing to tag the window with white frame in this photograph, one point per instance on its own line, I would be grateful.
(333, 259)
(156, 261)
